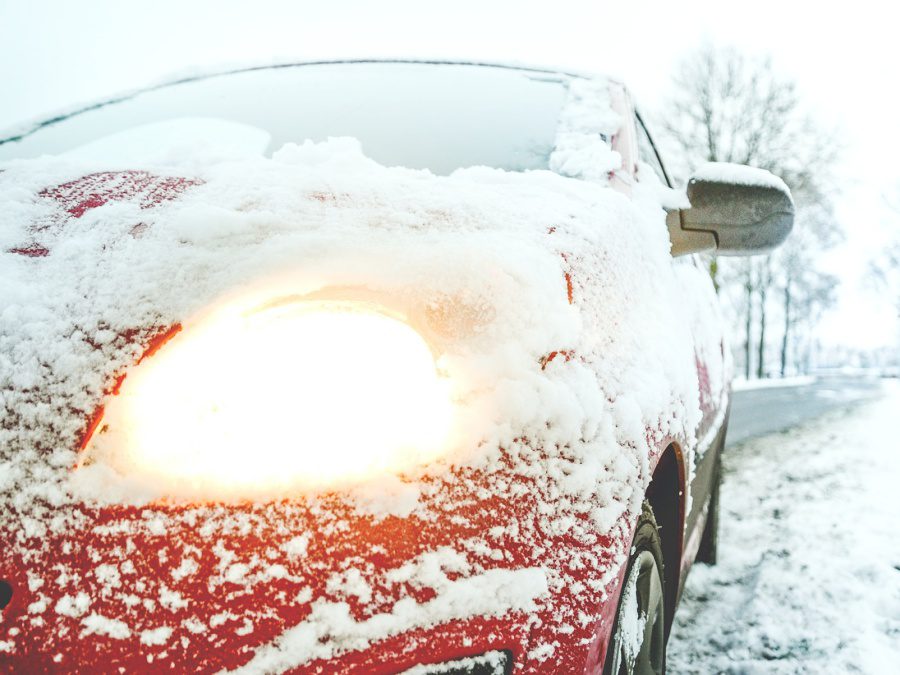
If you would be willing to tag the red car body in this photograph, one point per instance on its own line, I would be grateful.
(165, 601)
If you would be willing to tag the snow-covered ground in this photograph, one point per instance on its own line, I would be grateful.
(808, 578)
(741, 384)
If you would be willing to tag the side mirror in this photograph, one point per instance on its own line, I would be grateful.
(735, 210)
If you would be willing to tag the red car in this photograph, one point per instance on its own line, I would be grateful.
(359, 367)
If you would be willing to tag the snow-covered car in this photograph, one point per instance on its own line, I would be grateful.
(359, 367)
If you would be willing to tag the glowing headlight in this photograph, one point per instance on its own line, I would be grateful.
(295, 395)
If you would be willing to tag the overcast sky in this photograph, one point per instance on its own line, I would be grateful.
(843, 56)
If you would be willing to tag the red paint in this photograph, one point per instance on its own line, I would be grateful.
(568, 354)
(570, 294)
(79, 196)
(32, 251)
(158, 340)
(117, 385)
(92, 424)
(155, 557)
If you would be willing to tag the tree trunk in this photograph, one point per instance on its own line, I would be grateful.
(762, 283)
(748, 327)
(787, 325)
(761, 355)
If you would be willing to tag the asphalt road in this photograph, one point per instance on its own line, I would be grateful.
(755, 412)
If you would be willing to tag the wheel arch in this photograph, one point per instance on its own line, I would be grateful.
(666, 495)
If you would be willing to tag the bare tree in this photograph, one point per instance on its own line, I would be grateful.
(807, 293)
(765, 281)
(749, 285)
(805, 290)
(728, 107)
(884, 269)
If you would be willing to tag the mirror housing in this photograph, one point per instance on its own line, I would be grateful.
(735, 210)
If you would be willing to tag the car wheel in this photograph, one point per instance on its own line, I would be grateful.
(638, 644)
(709, 541)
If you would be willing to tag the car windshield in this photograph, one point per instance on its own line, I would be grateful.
(419, 115)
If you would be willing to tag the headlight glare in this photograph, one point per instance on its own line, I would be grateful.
(293, 396)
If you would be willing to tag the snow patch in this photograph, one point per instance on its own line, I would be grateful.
(297, 546)
(97, 624)
(491, 663)
(73, 606)
(156, 636)
(630, 630)
(739, 174)
(331, 629)
(586, 127)
(806, 576)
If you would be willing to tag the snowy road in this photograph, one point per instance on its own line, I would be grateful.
(755, 412)
(808, 578)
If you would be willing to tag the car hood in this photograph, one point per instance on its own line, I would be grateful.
(551, 295)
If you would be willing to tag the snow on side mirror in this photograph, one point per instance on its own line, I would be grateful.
(735, 210)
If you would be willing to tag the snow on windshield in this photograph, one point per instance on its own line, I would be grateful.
(175, 141)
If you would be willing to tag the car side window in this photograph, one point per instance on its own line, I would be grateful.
(648, 153)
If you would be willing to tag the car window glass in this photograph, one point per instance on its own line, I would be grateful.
(439, 117)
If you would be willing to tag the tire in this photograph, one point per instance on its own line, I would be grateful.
(638, 642)
(707, 552)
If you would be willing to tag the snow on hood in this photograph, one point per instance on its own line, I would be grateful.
(323, 216)
(569, 362)
(319, 216)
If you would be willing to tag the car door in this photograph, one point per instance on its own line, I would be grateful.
(703, 314)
